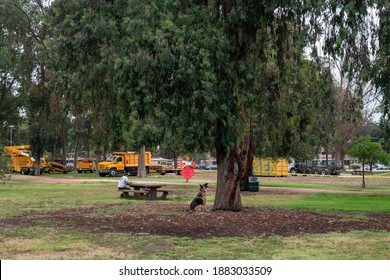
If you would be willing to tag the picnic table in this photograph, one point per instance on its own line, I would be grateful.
(360, 172)
(144, 190)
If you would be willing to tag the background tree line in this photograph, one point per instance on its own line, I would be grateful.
(238, 78)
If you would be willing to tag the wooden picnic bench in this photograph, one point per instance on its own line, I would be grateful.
(360, 172)
(137, 193)
(147, 191)
(163, 195)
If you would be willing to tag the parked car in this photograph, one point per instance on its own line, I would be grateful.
(316, 169)
(201, 166)
(326, 170)
(381, 167)
(300, 168)
(211, 167)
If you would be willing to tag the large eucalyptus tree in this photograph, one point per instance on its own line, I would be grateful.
(382, 66)
(216, 70)
(23, 22)
(83, 45)
(11, 71)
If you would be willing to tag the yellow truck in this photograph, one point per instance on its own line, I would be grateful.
(123, 162)
(269, 167)
(21, 160)
(86, 165)
(55, 168)
(162, 166)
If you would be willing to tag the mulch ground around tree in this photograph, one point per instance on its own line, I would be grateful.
(174, 220)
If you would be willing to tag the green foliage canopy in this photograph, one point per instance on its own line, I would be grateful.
(367, 151)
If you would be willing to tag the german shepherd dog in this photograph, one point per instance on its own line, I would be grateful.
(200, 199)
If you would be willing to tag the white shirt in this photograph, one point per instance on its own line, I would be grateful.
(122, 182)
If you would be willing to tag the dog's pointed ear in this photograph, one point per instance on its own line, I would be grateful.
(206, 185)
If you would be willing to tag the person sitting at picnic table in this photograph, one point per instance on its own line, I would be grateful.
(123, 182)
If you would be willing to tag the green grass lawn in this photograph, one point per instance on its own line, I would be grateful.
(354, 185)
(46, 242)
(324, 202)
(41, 243)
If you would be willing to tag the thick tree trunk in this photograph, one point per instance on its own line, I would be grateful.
(98, 153)
(175, 164)
(227, 196)
(105, 151)
(37, 164)
(141, 163)
(63, 142)
(233, 172)
(76, 155)
(37, 168)
(327, 156)
(247, 160)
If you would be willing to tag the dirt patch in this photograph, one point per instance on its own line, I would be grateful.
(174, 220)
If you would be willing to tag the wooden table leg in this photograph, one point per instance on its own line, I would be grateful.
(137, 195)
(153, 194)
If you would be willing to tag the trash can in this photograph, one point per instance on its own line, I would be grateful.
(32, 171)
(253, 184)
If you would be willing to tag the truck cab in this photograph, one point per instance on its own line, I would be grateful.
(122, 162)
(112, 166)
(86, 165)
